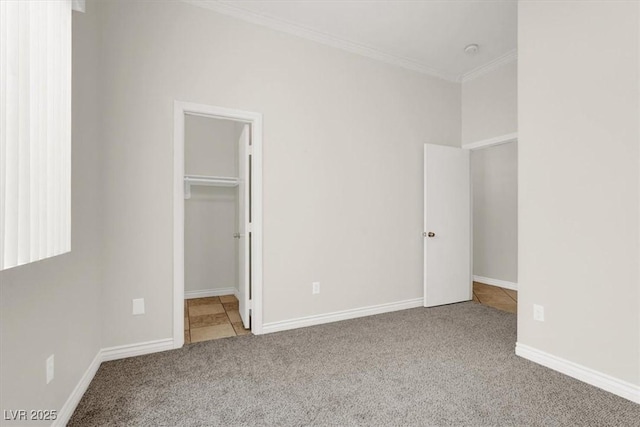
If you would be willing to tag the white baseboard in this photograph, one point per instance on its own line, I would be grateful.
(105, 355)
(203, 293)
(336, 316)
(582, 373)
(72, 402)
(138, 349)
(496, 282)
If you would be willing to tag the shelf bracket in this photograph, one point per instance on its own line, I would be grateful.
(187, 190)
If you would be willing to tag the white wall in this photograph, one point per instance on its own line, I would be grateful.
(494, 173)
(53, 306)
(343, 141)
(211, 146)
(489, 104)
(211, 252)
(579, 123)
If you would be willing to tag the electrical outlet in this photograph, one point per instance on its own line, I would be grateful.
(315, 288)
(138, 306)
(49, 369)
(538, 313)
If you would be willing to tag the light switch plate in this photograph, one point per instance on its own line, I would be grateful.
(538, 312)
(50, 366)
(138, 306)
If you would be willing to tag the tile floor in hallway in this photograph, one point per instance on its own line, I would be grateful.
(212, 318)
(493, 296)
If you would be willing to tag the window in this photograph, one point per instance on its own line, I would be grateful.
(35, 130)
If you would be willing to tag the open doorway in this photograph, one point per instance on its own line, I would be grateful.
(494, 183)
(216, 252)
(217, 223)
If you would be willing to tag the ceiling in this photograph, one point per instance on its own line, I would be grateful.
(427, 36)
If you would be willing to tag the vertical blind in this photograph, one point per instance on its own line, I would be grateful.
(35, 130)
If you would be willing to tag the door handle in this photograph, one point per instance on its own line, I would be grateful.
(237, 235)
(431, 234)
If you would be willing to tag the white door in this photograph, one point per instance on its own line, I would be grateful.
(244, 285)
(447, 221)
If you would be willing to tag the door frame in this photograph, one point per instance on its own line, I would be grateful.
(476, 146)
(491, 142)
(180, 109)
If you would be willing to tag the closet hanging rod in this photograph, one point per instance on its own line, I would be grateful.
(214, 181)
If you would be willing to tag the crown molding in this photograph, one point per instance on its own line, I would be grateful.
(285, 26)
(490, 66)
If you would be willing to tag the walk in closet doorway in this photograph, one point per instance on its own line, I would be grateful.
(217, 218)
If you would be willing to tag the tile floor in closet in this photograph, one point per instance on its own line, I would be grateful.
(496, 297)
(212, 318)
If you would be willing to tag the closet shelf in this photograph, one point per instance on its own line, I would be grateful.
(213, 181)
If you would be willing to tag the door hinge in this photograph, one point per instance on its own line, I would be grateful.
(250, 150)
(249, 228)
(250, 304)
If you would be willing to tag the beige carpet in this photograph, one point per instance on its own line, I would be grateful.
(452, 365)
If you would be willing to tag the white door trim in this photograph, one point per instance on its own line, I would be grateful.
(491, 142)
(255, 120)
(478, 145)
